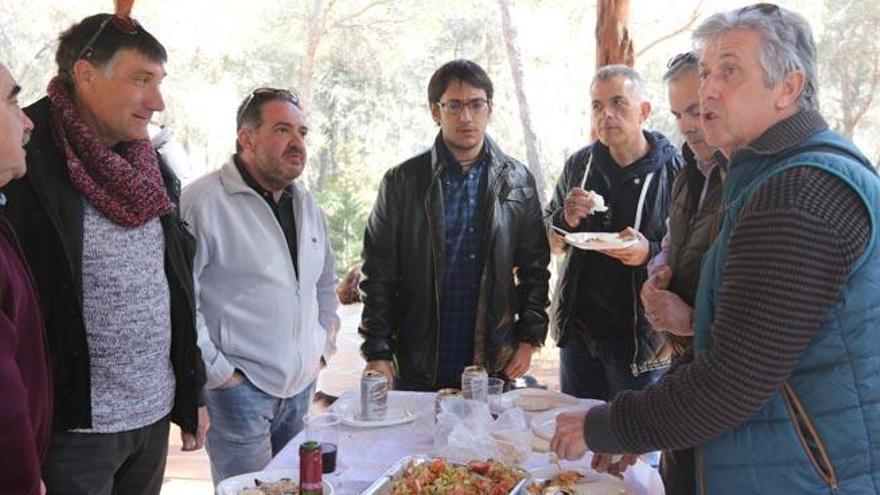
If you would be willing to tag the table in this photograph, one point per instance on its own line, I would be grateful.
(365, 453)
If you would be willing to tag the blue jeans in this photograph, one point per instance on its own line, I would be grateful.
(593, 369)
(249, 426)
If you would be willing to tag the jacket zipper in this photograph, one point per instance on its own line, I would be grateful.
(800, 420)
(701, 471)
(436, 277)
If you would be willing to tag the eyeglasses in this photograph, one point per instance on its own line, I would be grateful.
(682, 58)
(455, 107)
(123, 24)
(265, 94)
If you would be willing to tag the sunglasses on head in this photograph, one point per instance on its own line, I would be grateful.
(265, 94)
(764, 8)
(123, 24)
(681, 58)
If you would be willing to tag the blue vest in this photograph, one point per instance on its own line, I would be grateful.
(820, 432)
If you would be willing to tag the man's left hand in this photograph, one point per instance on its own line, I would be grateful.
(520, 362)
(568, 440)
(196, 441)
(635, 255)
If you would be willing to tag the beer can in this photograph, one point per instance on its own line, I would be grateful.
(310, 469)
(475, 383)
(374, 395)
(442, 395)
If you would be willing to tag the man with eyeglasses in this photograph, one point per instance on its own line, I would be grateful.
(780, 394)
(25, 386)
(606, 343)
(112, 260)
(453, 273)
(265, 286)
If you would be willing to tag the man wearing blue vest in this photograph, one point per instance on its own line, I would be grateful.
(780, 394)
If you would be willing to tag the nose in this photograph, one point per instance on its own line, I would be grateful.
(708, 89)
(26, 122)
(466, 113)
(155, 102)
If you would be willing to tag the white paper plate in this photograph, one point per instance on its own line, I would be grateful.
(544, 424)
(593, 241)
(231, 486)
(396, 415)
(593, 483)
(538, 399)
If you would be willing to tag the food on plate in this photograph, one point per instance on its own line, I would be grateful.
(438, 476)
(570, 482)
(284, 486)
(539, 444)
(534, 400)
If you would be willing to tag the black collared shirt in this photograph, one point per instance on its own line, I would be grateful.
(283, 209)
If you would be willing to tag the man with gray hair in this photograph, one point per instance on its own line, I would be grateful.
(620, 184)
(780, 395)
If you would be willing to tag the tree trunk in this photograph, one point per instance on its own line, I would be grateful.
(306, 73)
(533, 148)
(613, 44)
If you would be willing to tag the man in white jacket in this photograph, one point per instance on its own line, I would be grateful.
(265, 286)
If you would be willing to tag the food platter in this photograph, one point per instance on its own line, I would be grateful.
(597, 241)
(550, 480)
(396, 476)
(237, 484)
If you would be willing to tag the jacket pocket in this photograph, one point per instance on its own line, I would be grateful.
(812, 443)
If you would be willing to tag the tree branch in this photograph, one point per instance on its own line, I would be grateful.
(356, 14)
(695, 14)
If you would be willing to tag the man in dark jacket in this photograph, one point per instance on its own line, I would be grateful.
(620, 183)
(97, 217)
(25, 395)
(453, 272)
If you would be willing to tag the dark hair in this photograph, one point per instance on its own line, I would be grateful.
(72, 43)
(250, 110)
(458, 70)
(679, 66)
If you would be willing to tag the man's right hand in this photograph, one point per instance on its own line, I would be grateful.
(385, 368)
(234, 379)
(578, 204)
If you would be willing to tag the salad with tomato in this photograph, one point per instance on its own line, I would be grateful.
(437, 476)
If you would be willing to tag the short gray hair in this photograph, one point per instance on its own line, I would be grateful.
(787, 44)
(619, 70)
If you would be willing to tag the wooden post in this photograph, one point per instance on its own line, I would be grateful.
(613, 43)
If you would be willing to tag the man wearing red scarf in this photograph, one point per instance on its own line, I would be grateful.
(98, 220)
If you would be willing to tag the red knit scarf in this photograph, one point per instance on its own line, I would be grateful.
(123, 183)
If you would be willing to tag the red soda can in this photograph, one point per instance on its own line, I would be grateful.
(310, 469)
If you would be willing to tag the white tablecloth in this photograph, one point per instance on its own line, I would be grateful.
(365, 453)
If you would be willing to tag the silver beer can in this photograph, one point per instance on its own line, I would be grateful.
(442, 395)
(374, 395)
(475, 383)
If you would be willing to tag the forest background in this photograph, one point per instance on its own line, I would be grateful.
(362, 66)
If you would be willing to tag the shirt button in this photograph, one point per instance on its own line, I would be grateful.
(470, 229)
(473, 256)
(471, 201)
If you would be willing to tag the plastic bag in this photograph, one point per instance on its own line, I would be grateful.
(465, 431)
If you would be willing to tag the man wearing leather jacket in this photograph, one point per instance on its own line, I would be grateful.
(455, 271)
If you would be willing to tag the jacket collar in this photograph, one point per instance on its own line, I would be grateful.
(439, 155)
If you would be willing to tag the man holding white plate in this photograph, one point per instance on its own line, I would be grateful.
(616, 189)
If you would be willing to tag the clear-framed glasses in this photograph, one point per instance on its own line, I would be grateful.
(455, 107)
(123, 24)
(265, 94)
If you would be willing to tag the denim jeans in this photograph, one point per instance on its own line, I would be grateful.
(249, 426)
(593, 369)
(127, 462)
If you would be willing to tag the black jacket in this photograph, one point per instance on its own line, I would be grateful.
(664, 161)
(403, 267)
(47, 212)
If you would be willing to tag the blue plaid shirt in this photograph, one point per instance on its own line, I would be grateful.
(463, 194)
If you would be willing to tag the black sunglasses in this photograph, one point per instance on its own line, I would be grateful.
(265, 94)
(682, 58)
(764, 8)
(123, 24)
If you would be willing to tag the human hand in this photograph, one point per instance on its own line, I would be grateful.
(568, 439)
(42, 487)
(519, 362)
(635, 255)
(234, 379)
(196, 441)
(664, 309)
(578, 204)
(385, 368)
(614, 465)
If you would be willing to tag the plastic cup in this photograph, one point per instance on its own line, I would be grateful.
(496, 388)
(324, 429)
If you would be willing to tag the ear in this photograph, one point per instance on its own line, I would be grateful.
(245, 139)
(84, 73)
(435, 112)
(644, 110)
(791, 87)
